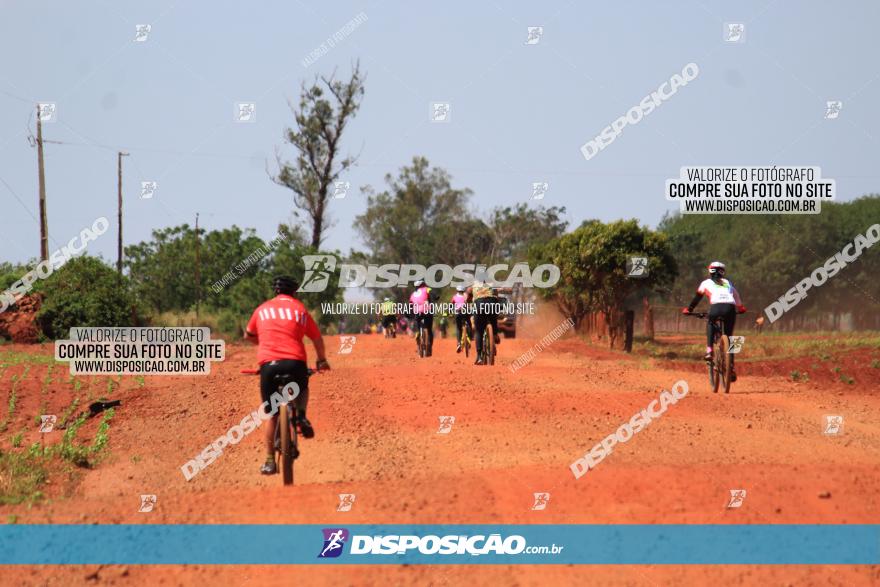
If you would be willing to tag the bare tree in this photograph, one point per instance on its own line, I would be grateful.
(316, 137)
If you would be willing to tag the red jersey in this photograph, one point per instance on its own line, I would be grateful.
(280, 324)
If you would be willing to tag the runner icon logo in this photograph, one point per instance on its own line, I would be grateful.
(833, 425)
(737, 497)
(637, 267)
(141, 32)
(534, 35)
(340, 189)
(148, 502)
(318, 271)
(47, 422)
(832, 109)
(541, 501)
(346, 344)
(736, 343)
(539, 189)
(148, 189)
(334, 540)
(446, 423)
(734, 32)
(346, 501)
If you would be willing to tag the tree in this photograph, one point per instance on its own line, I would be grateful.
(515, 229)
(421, 218)
(161, 270)
(593, 269)
(316, 138)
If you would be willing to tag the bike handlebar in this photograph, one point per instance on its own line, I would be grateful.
(697, 314)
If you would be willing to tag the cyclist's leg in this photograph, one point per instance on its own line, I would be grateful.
(459, 323)
(429, 326)
(715, 310)
(493, 319)
(267, 388)
(480, 320)
(729, 324)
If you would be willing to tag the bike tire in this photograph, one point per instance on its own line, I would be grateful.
(714, 368)
(489, 345)
(286, 444)
(423, 342)
(725, 363)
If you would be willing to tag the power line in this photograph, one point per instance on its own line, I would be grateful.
(23, 205)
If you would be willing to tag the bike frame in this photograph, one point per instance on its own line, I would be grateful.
(719, 368)
(286, 416)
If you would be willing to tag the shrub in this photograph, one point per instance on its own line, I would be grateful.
(84, 292)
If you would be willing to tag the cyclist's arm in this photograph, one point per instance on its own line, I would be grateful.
(319, 348)
(250, 331)
(697, 297)
(314, 333)
(736, 297)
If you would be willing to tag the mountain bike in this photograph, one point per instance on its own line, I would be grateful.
(286, 429)
(720, 367)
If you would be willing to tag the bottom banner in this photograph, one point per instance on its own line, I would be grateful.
(440, 544)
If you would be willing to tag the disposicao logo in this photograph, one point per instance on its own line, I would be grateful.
(334, 540)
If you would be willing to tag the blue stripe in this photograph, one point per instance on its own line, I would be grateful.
(581, 544)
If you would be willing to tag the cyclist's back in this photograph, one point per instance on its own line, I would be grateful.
(278, 326)
(281, 323)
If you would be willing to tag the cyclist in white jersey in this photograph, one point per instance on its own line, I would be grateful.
(724, 302)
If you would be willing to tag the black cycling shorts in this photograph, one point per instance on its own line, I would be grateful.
(297, 372)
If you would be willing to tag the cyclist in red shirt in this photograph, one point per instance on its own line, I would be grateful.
(278, 326)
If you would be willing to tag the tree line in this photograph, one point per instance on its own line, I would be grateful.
(419, 216)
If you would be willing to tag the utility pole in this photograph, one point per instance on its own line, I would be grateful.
(44, 224)
(198, 268)
(119, 157)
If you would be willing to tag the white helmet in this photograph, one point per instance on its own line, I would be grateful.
(717, 268)
(461, 289)
(419, 282)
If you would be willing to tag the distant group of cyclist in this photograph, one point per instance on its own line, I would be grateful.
(279, 325)
(474, 308)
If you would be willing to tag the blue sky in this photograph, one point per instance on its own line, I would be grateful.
(519, 113)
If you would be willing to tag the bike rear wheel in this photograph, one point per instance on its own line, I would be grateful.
(725, 363)
(423, 342)
(288, 443)
(489, 344)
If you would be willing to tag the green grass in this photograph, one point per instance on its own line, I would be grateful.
(22, 475)
(12, 398)
(68, 411)
(775, 346)
(798, 376)
(16, 440)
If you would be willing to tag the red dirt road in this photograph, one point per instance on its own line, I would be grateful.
(377, 416)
